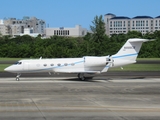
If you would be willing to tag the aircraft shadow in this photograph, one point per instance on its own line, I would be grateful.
(88, 79)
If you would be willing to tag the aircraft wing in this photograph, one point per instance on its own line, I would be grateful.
(88, 72)
(105, 69)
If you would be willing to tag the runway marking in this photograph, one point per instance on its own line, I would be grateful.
(41, 109)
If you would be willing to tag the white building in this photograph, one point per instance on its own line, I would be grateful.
(3, 28)
(121, 24)
(29, 31)
(15, 27)
(77, 31)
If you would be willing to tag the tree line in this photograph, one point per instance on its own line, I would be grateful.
(96, 43)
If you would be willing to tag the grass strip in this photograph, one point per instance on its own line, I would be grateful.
(148, 58)
(138, 67)
(10, 59)
(3, 66)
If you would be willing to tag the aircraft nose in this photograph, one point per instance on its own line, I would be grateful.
(6, 69)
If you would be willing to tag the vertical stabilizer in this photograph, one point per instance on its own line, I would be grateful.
(130, 49)
(128, 53)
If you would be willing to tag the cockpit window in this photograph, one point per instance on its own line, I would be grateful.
(18, 63)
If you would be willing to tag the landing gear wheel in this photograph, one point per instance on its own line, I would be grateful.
(17, 78)
(81, 76)
(78, 75)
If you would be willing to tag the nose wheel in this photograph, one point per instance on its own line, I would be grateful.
(17, 77)
(81, 76)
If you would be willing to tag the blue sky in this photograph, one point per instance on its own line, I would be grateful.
(68, 13)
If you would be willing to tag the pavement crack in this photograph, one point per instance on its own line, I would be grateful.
(39, 109)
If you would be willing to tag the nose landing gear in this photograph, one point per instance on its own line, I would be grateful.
(17, 77)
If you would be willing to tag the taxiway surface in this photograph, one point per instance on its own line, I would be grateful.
(70, 99)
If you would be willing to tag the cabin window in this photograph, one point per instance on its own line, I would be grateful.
(59, 64)
(65, 64)
(45, 65)
(72, 64)
(52, 64)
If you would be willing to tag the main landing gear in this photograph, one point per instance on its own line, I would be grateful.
(17, 77)
(81, 76)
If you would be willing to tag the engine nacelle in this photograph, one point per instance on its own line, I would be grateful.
(95, 63)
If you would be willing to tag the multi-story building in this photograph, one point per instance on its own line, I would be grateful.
(156, 23)
(77, 31)
(29, 31)
(3, 28)
(14, 27)
(121, 24)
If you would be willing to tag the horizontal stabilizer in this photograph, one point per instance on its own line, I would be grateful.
(140, 40)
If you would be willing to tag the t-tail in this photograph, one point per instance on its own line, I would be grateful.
(128, 53)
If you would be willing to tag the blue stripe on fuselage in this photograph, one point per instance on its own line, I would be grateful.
(125, 55)
(53, 67)
(121, 56)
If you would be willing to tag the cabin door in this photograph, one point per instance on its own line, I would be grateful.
(25, 66)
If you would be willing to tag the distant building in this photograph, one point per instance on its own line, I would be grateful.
(29, 31)
(15, 27)
(3, 28)
(77, 31)
(121, 24)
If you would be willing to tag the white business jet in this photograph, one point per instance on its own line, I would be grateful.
(85, 65)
